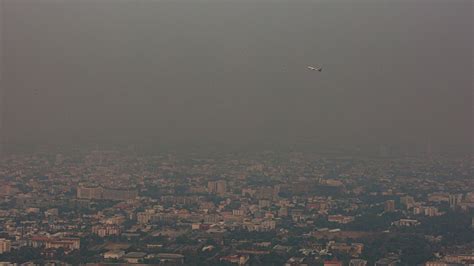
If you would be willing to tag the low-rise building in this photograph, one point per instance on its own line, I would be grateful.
(5, 245)
(114, 254)
(134, 257)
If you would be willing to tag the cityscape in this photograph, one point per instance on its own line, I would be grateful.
(236, 132)
(272, 208)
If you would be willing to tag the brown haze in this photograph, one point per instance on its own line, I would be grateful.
(234, 72)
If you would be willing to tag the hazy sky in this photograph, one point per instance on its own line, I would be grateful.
(395, 72)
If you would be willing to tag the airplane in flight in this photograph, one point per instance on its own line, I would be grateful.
(315, 68)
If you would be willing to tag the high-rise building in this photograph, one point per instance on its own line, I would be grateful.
(217, 187)
(211, 187)
(221, 187)
(5, 245)
(454, 200)
(389, 206)
(89, 192)
(408, 201)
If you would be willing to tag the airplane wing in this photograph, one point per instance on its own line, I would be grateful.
(315, 68)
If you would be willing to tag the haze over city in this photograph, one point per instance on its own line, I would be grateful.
(222, 72)
(264, 132)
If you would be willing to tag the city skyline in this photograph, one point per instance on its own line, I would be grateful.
(236, 132)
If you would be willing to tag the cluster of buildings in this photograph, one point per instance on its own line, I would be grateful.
(98, 192)
(299, 209)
